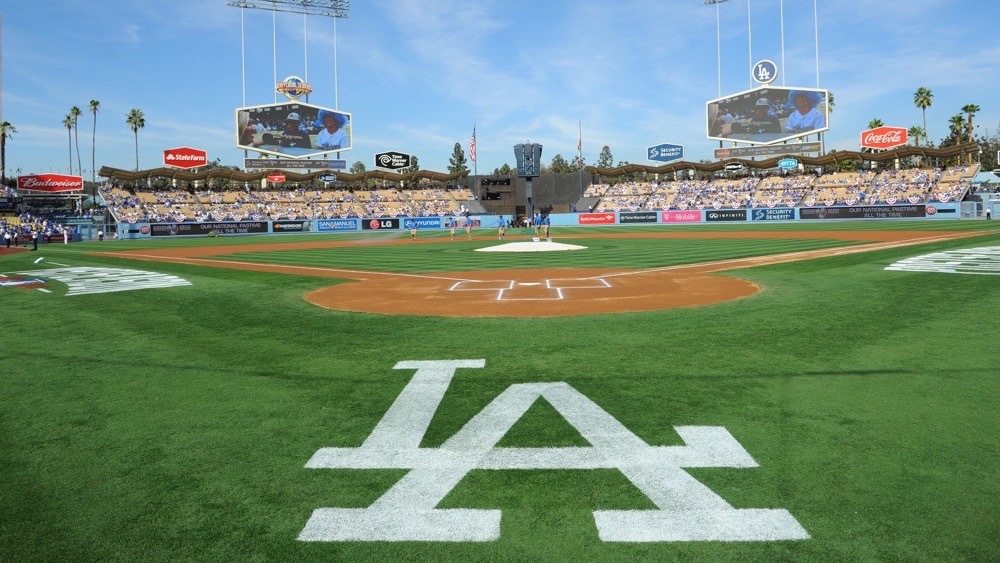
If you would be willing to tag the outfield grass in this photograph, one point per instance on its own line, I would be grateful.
(174, 424)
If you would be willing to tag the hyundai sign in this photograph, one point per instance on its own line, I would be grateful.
(788, 163)
(665, 152)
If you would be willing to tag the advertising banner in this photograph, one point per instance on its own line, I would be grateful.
(233, 228)
(51, 183)
(863, 212)
(423, 222)
(290, 226)
(328, 225)
(379, 224)
(665, 152)
(714, 215)
(884, 137)
(950, 210)
(637, 217)
(690, 216)
(767, 150)
(772, 214)
(392, 160)
(597, 218)
(185, 157)
(290, 164)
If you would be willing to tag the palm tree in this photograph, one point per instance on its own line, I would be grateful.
(915, 132)
(75, 113)
(923, 98)
(957, 125)
(68, 124)
(6, 129)
(970, 110)
(94, 106)
(829, 109)
(136, 121)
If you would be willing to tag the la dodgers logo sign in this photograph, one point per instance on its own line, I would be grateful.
(686, 509)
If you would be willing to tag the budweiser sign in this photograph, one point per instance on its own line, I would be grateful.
(883, 137)
(185, 157)
(50, 183)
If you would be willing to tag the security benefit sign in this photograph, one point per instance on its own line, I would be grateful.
(685, 509)
(665, 152)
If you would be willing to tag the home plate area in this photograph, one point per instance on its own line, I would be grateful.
(547, 292)
(549, 289)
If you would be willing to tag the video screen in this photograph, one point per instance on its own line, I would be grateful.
(293, 129)
(768, 115)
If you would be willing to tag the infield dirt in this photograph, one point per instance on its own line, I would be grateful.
(539, 292)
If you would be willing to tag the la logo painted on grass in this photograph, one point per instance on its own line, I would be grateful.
(686, 509)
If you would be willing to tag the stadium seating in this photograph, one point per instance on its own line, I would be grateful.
(917, 185)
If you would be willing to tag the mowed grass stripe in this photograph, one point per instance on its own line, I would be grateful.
(608, 253)
(175, 424)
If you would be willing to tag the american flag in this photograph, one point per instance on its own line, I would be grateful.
(472, 146)
(579, 148)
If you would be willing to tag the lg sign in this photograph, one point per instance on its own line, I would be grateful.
(883, 137)
(185, 157)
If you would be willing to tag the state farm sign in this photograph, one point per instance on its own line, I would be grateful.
(185, 157)
(276, 178)
(50, 183)
(883, 137)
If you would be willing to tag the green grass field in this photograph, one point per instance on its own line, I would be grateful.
(175, 424)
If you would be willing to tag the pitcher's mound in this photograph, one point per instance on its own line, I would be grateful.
(541, 245)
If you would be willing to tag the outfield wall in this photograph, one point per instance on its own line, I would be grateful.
(935, 211)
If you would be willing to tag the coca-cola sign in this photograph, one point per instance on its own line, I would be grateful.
(883, 137)
(50, 183)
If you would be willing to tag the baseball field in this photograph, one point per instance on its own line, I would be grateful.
(782, 392)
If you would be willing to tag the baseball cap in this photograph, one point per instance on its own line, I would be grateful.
(341, 118)
(293, 117)
(762, 102)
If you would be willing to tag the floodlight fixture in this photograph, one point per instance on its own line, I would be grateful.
(326, 8)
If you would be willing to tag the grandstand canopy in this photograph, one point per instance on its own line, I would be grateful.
(829, 159)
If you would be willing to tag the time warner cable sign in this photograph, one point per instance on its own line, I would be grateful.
(392, 160)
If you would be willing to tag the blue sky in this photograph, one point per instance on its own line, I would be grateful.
(418, 75)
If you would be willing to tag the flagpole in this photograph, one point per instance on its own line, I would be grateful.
(475, 161)
(579, 156)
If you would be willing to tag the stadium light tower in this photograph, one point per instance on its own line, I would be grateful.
(326, 8)
(718, 42)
